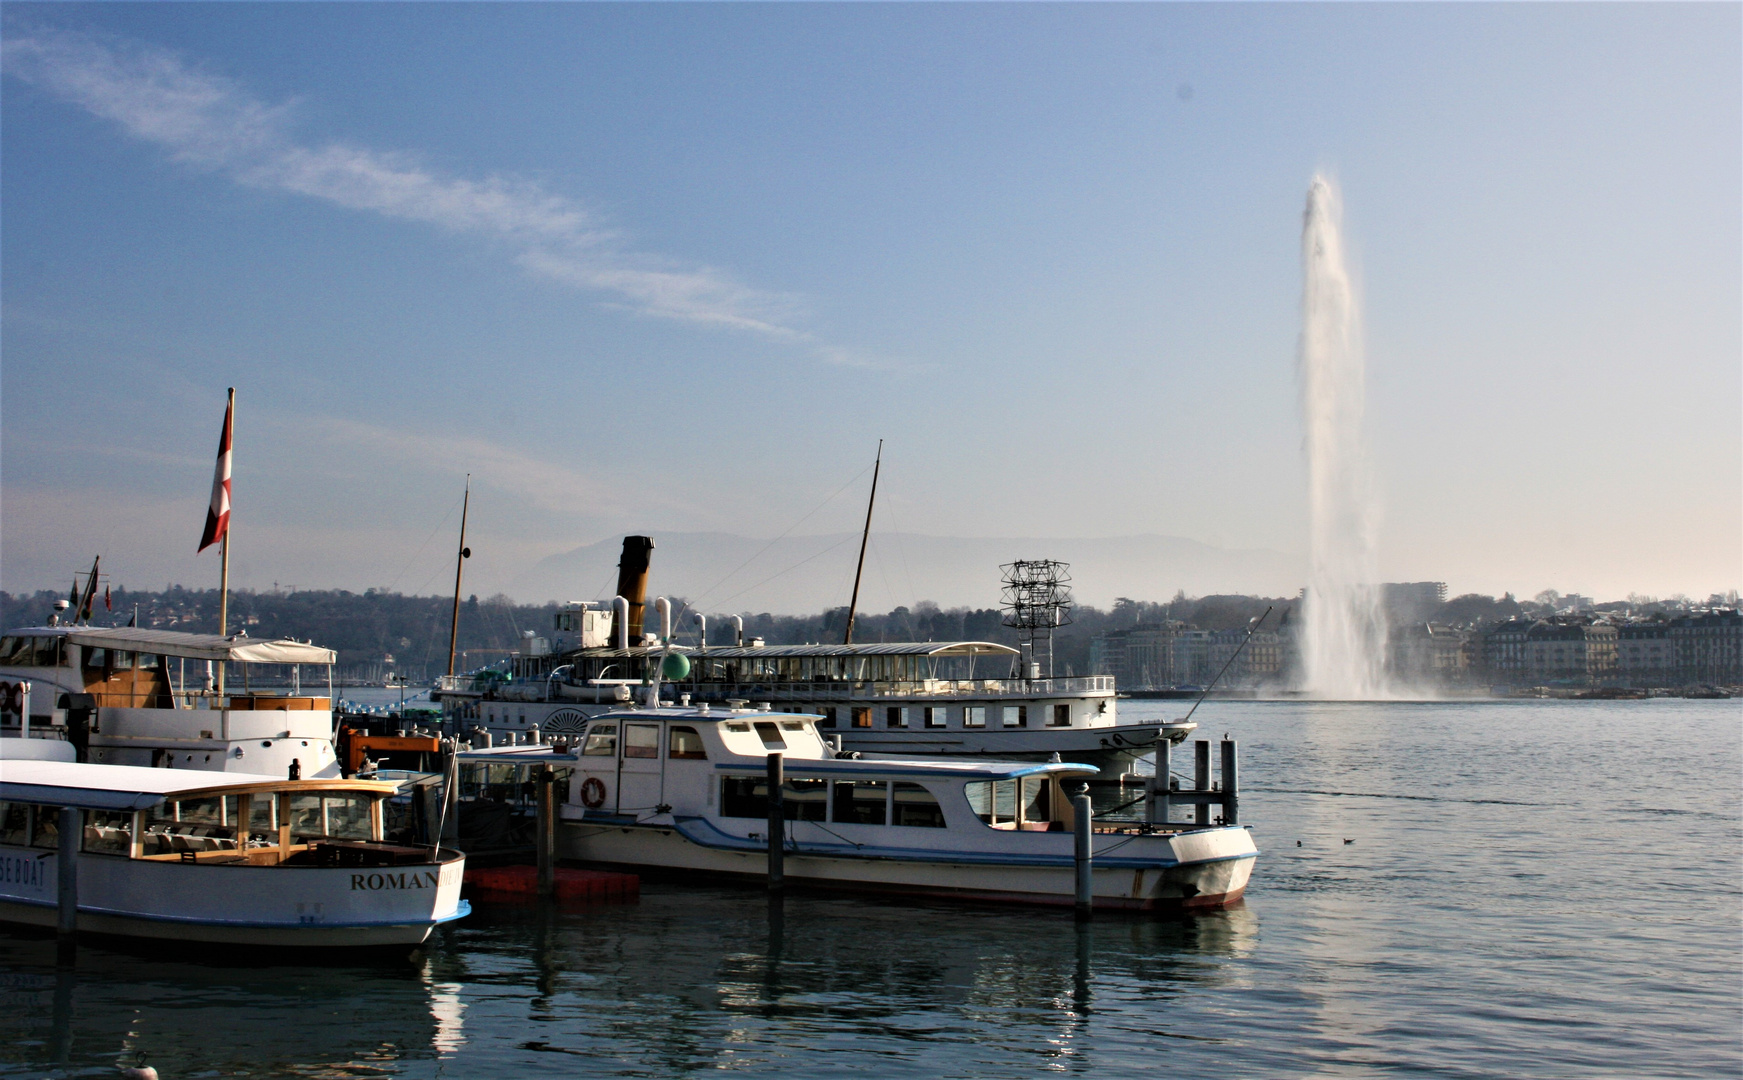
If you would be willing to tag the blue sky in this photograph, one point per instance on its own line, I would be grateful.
(657, 268)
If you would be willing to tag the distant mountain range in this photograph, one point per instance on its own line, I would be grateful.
(726, 572)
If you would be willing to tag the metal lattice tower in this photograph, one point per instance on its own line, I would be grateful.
(1036, 599)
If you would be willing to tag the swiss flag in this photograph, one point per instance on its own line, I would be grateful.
(218, 514)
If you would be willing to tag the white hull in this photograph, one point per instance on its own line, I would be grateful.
(1209, 868)
(236, 904)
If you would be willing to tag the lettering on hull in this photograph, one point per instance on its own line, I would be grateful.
(410, 880)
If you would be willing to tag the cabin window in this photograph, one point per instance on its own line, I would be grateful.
(684, 744)
(121, 660)
(45, 827)
(189, 825)
(1018, 718)
(15, 824)
(897, 716)
(738, 726)
(913, 805)
(804, 800)
(770, 735)
(49, 652)
(937, 716)
(96, 658)
(109, 832)
(792, 725)
(862, 716)
(1033, 791)
(641, 740)
(15, 651)
(993, 801)
(860, 802)
(150, 661)
(1061, 716)
(828, 717)
(341, 815)
(974, 716)
(744, 796)
(601, 741)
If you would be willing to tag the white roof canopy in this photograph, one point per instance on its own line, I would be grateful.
(201, 646)
(109, 787)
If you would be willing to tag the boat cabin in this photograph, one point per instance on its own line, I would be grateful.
(662, 763)
(167, 815)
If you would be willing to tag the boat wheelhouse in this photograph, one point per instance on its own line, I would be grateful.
(687, 790)
(228, 858)
(946, 698)
(147, 697)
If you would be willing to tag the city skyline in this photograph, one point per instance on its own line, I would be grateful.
(675, 271)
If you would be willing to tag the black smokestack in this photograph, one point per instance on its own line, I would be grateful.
(632, 583)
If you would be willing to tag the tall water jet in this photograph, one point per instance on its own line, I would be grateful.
(1343, 639)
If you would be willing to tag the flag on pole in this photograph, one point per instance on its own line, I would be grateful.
(88, 599)
(107, 606)
(218, 514)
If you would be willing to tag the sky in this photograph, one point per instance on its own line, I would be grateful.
(678, 268)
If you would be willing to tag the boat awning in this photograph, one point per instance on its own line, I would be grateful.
(894, 648)
(897, 768)
(515, 755)
(109, 787)
(201, 646)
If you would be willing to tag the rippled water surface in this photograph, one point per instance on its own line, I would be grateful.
(1530, 889)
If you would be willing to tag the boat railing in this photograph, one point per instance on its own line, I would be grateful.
(873, 689)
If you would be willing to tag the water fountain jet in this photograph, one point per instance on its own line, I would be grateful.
(1343, 640)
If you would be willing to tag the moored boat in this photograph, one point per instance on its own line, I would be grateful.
(687, 789)
(213, 858)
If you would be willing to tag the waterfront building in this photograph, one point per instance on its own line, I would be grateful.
(1708, 647)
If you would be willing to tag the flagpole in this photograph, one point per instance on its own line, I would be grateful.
(224, 555)
(459, 565)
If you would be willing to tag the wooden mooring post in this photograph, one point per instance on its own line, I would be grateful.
(72, 830)
(1083, 820)
(547, 826)
(777, 825)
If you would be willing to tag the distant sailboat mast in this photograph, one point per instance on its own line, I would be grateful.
(459, 567)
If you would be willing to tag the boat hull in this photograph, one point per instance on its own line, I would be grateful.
(1215, 873)
(337, 907)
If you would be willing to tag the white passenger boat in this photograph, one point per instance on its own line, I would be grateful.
(686, 789)
(139, 696)
(197, 856)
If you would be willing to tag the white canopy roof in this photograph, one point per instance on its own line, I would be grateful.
(108, 787)
(201, 646)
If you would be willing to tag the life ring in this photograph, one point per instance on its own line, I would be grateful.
(15, 698)
(592, 793)
(6, 697)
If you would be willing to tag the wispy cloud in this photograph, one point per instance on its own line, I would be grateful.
(210, 122)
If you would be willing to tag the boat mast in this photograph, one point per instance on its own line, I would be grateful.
(853, 605)
(459, 565)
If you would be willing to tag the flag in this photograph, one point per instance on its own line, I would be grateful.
(107, 606)
(218, 514)
(88, 599)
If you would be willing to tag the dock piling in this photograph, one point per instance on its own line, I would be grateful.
(67, 868)
(1231, 784)
(1084, 822)
(777, 825)
(1201, 778)
(547, 825)
(1160, 809)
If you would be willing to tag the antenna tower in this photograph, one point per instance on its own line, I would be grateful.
(1036, 599)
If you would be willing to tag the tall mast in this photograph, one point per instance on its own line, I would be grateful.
(459, 565)
(853, 605)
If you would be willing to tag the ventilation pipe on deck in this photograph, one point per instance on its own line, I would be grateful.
(620, 621)
(664, 607)
(632, 584)
(702, 629)
(737, 630)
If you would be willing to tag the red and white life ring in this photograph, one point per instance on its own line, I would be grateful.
(592, 793)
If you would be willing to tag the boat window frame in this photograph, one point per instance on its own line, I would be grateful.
(700, 753)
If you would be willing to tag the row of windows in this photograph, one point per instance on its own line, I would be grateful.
(846, 802)
(643, 741)
(937, 716)
(204, 824)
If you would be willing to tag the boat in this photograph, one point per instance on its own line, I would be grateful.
(931, 698)
(686, 790)
(126, 696)
(214, 858)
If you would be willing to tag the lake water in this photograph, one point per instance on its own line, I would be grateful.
(1532, 889)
